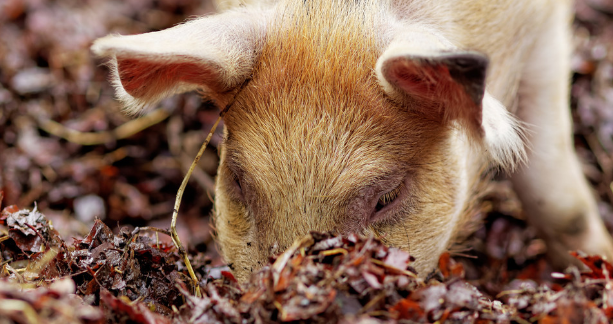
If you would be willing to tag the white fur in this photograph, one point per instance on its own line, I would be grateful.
(504, 138)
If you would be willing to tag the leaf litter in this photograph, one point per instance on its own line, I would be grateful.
(129, 277)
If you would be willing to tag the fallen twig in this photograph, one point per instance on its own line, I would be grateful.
(96, 138)
(175, 212)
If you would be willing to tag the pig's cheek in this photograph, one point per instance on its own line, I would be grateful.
(237, 241)
(235, 231)
(233, 187)
(408, 231)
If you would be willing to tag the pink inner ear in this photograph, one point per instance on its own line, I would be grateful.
(438, 94)
(144, 78)
(422, 81)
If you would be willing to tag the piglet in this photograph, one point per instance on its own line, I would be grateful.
(382, 117)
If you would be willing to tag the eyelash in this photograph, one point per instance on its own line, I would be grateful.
(388, 197)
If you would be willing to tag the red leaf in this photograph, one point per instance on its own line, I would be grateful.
(596, 264)
(228, 275)
(449, 268)
(8, 210)
(407, 309)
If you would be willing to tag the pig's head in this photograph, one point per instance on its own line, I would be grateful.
(347, 121)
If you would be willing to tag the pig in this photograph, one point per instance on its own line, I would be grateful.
(384, 118)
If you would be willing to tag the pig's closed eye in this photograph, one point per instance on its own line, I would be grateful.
(388, 198)
(237, 187)
(388, 202)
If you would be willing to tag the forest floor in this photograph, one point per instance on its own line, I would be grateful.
(82, 187)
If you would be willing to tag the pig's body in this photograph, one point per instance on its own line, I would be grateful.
(372, 116)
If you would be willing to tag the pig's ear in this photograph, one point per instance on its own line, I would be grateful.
(450, 85)
(214, 53)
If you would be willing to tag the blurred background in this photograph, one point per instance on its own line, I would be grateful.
(65, 145)
(66, 148)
